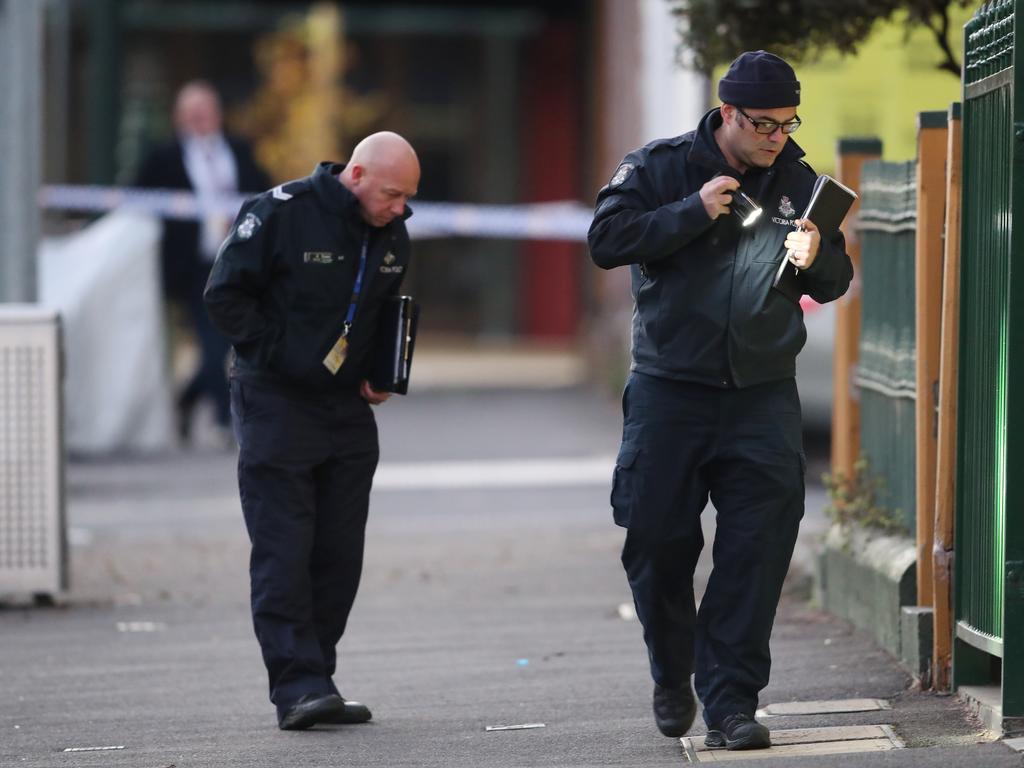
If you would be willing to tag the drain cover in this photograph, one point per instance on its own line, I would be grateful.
(802, 742)
(834, 707)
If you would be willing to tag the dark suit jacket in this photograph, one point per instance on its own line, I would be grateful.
(183, 270)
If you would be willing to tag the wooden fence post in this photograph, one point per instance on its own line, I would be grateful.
(932, 138)
(945, 471)
(852, 154)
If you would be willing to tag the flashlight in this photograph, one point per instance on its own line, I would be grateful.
(745, 207)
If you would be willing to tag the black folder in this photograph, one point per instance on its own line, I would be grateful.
(829, 204)
(393, 344)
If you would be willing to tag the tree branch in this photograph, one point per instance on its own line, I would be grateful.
(941, 34)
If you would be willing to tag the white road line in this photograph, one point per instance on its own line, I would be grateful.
(515, 473)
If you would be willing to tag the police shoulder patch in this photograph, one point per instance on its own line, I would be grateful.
(621, 174)
(248, 227)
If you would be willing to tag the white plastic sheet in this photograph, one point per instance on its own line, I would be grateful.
(105, 282)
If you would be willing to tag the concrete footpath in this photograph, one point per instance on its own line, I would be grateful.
(492, 596)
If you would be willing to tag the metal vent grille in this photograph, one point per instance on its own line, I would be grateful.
(23, 499)
(31, 503)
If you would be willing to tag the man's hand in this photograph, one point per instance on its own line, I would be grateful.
(716, 195)
(802, 246)
(371, 395)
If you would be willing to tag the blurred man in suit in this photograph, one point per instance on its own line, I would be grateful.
(201, 158)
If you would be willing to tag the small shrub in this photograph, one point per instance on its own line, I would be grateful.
(855, 499)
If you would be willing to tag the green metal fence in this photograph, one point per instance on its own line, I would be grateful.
(989, 589)
(886, 368)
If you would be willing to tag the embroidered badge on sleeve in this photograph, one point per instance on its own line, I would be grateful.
(249, 225)
(621, 174)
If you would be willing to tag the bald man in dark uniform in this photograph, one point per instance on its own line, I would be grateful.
(298, 287)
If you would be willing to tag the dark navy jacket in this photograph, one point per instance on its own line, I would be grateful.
(284, 278)
(705, 310)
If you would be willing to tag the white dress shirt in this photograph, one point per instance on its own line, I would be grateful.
(210, 165)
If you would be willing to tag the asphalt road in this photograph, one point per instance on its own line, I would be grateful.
(490, 597)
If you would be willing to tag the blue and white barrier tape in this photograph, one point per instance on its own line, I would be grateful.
(565, 220)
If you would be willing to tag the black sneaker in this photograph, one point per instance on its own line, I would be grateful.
(311, 709)
(674, 709)
(744, 732)
(715, 739)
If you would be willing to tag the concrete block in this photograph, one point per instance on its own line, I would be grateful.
(986, 703)
(866, 578)
(916, 633)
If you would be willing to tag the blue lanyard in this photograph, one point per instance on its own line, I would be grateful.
(359, 284)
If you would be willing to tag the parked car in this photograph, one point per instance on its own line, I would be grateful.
(814, 366)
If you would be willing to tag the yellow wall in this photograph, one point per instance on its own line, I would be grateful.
(876, 92)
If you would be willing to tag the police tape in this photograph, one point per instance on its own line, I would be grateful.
(563, 220)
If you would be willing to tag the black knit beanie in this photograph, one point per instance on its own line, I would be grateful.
(760, 80)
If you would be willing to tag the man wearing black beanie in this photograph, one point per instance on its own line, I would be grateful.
(710, 408)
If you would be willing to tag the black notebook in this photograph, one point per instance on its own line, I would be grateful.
(393, 345)
(829, 204)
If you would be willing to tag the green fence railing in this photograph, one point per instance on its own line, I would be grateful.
(886, 368)
(989, 545)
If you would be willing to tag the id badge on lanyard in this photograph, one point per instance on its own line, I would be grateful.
(339, 352)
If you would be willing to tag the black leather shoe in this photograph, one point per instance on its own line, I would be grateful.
(743, 732)
(353, 713)
(674, 709)
(311, 709)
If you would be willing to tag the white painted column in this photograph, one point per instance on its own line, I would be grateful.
(673, 98)
(21, 82)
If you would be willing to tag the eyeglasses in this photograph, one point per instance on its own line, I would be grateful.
(768, 127)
